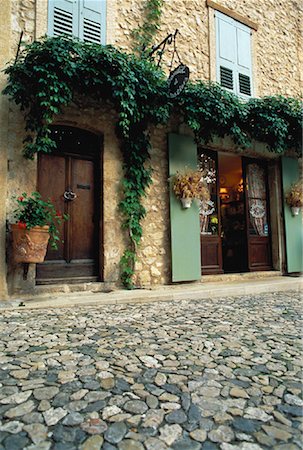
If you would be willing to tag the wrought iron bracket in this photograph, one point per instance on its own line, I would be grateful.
(168, 40)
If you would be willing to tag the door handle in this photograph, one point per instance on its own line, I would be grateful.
(69, 195)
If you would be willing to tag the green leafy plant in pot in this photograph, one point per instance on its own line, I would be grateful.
(37, 224)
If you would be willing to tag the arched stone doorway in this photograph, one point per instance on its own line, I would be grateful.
(71, 178)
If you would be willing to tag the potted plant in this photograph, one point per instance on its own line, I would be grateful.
(37, 223)
(188, 185)
(294, 198)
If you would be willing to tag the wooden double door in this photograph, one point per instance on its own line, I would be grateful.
(234, 223)
(70, 177)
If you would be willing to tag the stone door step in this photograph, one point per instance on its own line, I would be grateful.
(188, 291)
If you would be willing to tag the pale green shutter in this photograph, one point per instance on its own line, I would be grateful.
(92, 22)
(233, 55)
(226, 51)
(293, 225)
(244, 60)
(185, 225)
(63, 17)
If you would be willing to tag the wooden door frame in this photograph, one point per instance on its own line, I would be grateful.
(97, 159)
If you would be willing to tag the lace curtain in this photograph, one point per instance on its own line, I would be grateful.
(256, 182)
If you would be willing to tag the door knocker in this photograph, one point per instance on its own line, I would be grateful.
(69, 195)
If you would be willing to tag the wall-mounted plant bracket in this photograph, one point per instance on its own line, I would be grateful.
(295, 210)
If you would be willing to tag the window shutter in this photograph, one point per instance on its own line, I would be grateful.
(185, 225)
(293, 226)
(244, 66)
(92, 21)
(62, 17)
(226, 53)
(233, 55)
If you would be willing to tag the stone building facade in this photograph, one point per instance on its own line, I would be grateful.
(277, 68)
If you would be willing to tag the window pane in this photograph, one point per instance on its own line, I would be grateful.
(209, 223)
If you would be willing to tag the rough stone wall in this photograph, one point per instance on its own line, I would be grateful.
(277, 57)
(190, 17)
(153, 266)
(23, 19)
(277, 67)
(5, 38)
(15, 173)
(276, 47)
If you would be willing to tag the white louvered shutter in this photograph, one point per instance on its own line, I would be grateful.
(244, 66)
(63, 17)
(92, 21)
(226, 39)
(233, 55)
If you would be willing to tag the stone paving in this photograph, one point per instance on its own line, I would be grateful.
(220, 373)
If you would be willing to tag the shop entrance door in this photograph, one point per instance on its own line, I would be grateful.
(234, 223)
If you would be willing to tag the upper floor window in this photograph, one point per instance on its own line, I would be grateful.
(85, 19)
(234, 59)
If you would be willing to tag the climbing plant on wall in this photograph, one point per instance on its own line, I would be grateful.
(49, 74)
(144, 35)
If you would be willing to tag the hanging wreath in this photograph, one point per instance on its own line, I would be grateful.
(257, 211)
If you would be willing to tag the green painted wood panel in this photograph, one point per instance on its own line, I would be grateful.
(293, 225)
(185, 225)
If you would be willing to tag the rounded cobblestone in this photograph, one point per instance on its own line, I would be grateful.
(221, 373)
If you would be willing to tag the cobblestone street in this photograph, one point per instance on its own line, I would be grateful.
(222, 373)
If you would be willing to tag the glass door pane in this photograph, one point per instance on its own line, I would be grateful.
(257, 214)
(209, 220)
(256, 196)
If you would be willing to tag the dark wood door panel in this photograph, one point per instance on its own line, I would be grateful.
(211, 255)
(260, 255)
(51, 184)
(82, 211)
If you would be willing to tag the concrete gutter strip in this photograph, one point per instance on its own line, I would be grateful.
(197, 291)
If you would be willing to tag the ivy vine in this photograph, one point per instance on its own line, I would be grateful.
(49, 74)
(143, 36)
(212, 111)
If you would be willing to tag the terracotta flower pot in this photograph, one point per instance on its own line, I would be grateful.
(29, 246)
